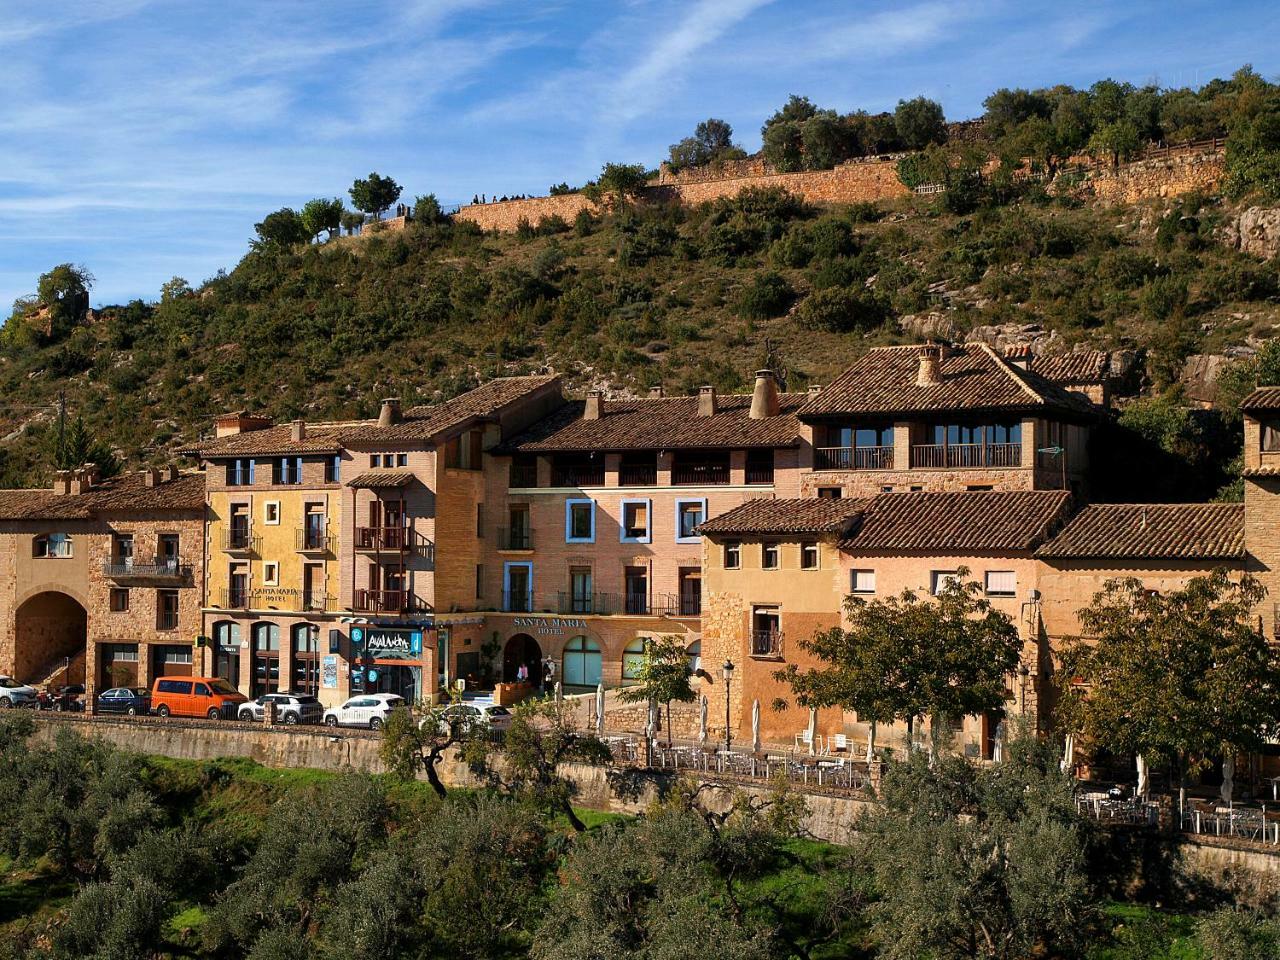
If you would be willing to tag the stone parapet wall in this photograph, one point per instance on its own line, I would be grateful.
(1157, 177)
(506, 215)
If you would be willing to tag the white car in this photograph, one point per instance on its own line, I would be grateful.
(469, 716)
(364, 710)
(15, 694)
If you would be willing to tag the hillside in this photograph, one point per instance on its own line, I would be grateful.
(645, 296)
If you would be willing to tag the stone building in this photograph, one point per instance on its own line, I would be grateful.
(100, 580)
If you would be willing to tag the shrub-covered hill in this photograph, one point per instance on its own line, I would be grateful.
(641, 296)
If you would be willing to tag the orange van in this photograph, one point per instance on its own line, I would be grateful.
(210, 697)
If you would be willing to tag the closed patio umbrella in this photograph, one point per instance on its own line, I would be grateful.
(755, 727)
(559, 692)
(702, 721)
(651, 724)
(1228, 777)
(871, 741)
(1069, 753)
(1142, 776)
(813, 729)
(600, 709)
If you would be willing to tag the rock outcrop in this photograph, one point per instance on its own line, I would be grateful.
(1256, 231)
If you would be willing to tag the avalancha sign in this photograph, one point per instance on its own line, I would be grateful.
(387, 643)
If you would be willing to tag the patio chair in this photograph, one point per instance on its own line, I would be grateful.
(838, 743)
(802, 740)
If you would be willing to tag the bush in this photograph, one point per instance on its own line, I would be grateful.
(831, 237)
(1163, 297)
(767, 295)
(584, 223)
(840, 310)
(793, 249)
(1127, 269)
(552, 224)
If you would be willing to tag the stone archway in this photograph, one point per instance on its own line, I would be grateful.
(50, 631)
(522, 649)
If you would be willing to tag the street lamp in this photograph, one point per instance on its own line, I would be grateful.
(726, 671)
(1024, 672)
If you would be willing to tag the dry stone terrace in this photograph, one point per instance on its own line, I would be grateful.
(515, 537)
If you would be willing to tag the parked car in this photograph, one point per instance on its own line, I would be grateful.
(127, 700)
(365, 710)
(65, 698)
(472, 716)
(290, 708)
(210, 697)
(15, 694)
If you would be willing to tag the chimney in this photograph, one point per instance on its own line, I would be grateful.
(1019, 356)
(657, 393)
(592, 410)
(927, 376)
(172, 471)
(390, 412)
(62, 482)
(298, 431)
(764, 399)
(89, 475)
(707, 405)
(232, 424)
(151, 476)
(815, 389)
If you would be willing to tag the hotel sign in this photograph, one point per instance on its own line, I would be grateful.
(550, 626)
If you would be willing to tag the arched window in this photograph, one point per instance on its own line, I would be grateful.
(305, 641)
(226, 651)
(582, 662)
(633, 658)
(266, 658)
(694, 653)
(52, 545)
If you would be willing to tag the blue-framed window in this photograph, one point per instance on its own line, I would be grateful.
(288, 470)
(517, 586)
(689, 514)
(579, 521)
(636, 523)
(239, 473)
(333, 469)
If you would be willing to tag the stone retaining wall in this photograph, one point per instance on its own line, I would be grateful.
(1157, 178)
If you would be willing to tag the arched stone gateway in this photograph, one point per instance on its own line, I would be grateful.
(49, 631)
(520, 650)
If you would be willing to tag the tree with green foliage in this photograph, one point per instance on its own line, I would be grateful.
(1233, 933)
(906, 657)
(69, 447)
(920, 123)
(283, 228)
(1006, 110)
(352, 221)
(1176, 676)
(374, 194)
(969, 861)
(617, 184)
(543, 737)
(59, 305)
(322, 215)
(1118, 140)
(663, 678)
(712, 142)
(1253, 155)
(427, 209)
(409, 745)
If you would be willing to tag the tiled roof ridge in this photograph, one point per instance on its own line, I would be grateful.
(1008, 368)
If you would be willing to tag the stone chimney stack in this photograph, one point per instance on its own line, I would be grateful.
(657, 393)
(707, 403)
(815, 389)
(390, 413)
(298, 431)
(1020, 356)
(928, 374)
(171, 472)
(151, 476)
(62, 482)
(764, 399)
(89, 475)
(592, 410)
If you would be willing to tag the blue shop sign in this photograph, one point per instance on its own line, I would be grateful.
(387, 643)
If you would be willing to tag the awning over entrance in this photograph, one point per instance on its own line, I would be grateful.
(383, 479)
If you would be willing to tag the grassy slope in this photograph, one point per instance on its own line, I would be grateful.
(326, 331)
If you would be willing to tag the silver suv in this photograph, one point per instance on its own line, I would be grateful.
(15, 694)
(290, 708)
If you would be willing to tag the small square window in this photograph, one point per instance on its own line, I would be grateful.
(689, 515)
(119, 599)
(732, 556)
(1002, 583)
(769, 556)
(402, 459)
(862, 581)
(940, 579)
(580, 521)
(635, 520)
(374, 459)
(830, 493)
(271, 574)
(886, 489)
(808, 556)
(271, 512)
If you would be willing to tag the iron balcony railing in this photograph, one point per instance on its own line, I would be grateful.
(690, 603)
(638, 474)
(637, 604)
(382, 538)
(699, 474)
(312, 539)
(517, 601)
(515, 538)
(167, 620)
(387, 601)
(162, 568)
(766, 643)
(239, 539)
(598, 604)
(759, 473)
(577, 475)
(523, 475)
(965, 455)
(853, 458)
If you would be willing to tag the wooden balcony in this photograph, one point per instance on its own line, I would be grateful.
(965, 456)
(383, 538)
(699, 474)
(853, 458)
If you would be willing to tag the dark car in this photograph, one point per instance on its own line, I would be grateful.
(128, 700)
(68, 698)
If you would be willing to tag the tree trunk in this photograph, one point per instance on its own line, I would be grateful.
(433, 777)
(871, 742)
(574, 822)
(668, 724)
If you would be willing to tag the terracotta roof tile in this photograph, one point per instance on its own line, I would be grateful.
(1192, 531)
(959, 522)
(1080, 366)
(123, 494)
(971, 377)
(1263, 398)
(661, 422)
(813, 515)
(271, 442)
(382, 479)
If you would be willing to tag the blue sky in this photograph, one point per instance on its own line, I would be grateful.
(143, 138)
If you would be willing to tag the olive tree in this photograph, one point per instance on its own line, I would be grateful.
(663, 677)
(374, 194)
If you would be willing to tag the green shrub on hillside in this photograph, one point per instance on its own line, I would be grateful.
(767, 295)
(840, 310)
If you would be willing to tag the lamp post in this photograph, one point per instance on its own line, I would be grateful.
(1024, 672)
(726, 671)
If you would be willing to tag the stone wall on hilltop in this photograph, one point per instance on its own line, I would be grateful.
(1157, 178)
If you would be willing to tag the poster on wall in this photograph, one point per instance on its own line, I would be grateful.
(329, 673)
(383, 643)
